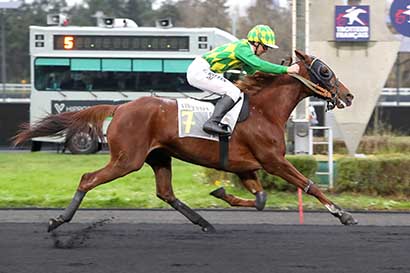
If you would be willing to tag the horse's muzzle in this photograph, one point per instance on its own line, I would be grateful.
(345, 102)
(349, 99)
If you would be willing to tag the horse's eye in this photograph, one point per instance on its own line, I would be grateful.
(324, 72)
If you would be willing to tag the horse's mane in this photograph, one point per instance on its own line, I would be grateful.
(253, 84)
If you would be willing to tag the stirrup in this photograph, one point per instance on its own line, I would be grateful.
(217, 128)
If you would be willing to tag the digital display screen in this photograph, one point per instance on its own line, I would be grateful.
(126, 43)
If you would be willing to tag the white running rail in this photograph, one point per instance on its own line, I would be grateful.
(329, 142)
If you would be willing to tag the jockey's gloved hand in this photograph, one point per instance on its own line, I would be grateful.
(294, 68)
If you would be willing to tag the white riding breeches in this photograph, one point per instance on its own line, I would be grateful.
(199, 75)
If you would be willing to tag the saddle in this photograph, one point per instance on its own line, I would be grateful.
(193, 113)
(244, 113)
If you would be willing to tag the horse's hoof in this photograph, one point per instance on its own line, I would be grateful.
(209, 229)
(54, 223)
(260, 200)
(347, 219)
(218, 193)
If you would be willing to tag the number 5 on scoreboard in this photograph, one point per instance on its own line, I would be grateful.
(68, 42)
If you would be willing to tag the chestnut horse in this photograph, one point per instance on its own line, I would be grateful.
(146, 130)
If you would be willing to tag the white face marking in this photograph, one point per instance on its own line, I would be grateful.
(343, 103)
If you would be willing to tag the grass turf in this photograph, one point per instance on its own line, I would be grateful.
(49, 180)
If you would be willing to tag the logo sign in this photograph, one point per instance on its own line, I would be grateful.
(400, 16)
(60, 106)
(352, 23)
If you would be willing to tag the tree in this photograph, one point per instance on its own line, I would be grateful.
(140, 11)
(203, 14)
(17, 34)
(112, 8)
(215, 14)
(269, 13)
(80, 15)
(168, 9)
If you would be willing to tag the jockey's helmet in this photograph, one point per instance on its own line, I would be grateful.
(262, 34)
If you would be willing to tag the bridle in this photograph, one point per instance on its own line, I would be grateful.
(322, 83)
(322, 75)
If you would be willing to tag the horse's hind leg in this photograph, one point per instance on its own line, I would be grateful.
(160, 162)
(251, 182)
(117, 167)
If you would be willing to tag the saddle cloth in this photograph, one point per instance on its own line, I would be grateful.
(192, 114)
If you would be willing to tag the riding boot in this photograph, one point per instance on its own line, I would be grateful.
(213, 125)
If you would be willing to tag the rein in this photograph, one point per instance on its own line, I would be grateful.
(315, 88)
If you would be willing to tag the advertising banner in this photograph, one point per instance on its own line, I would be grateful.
(400, 16)
(60, 106)
(352, 23)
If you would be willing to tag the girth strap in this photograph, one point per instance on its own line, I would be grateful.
(223, 151)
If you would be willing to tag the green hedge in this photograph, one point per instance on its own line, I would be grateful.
(371, 145)
(379, 175)
(307, 165)
(384, 175)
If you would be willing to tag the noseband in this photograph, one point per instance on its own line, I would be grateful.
(321, 75)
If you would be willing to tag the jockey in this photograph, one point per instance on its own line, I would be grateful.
(205, 72)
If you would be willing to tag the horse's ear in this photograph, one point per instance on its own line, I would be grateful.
(301, 55)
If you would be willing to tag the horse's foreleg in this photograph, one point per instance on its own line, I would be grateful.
(89, 181)
(288, 172)
(161, 164)
(252, 184)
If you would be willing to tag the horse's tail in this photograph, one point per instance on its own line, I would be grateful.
(67, 124)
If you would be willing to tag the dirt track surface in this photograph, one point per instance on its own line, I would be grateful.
(109, 244)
